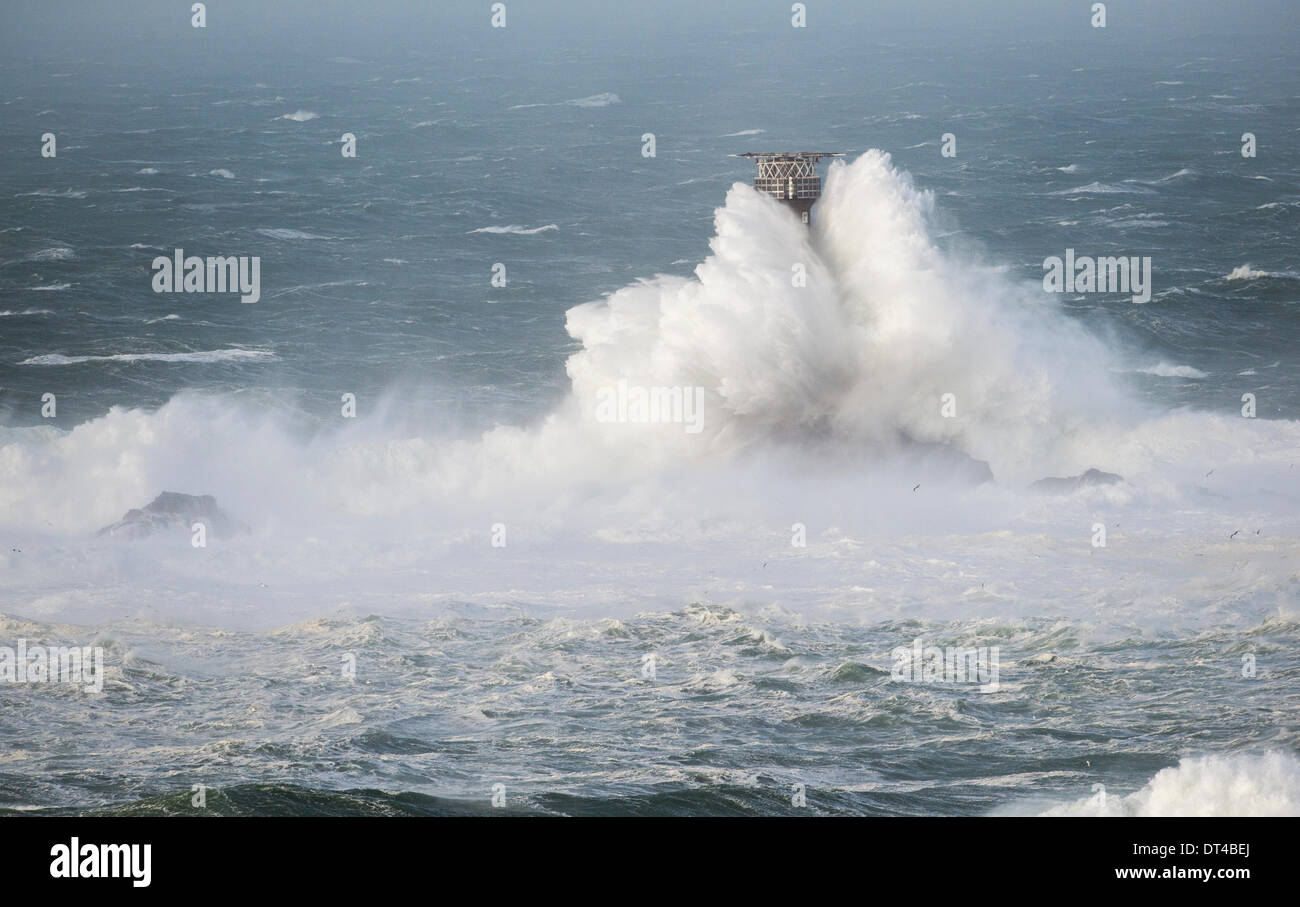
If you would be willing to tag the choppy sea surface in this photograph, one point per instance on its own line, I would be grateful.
(456, 595)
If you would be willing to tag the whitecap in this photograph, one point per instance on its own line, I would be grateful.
(52, 193)
(1266, 784)
(285, 233)
(1096, 188)
(516, 229)
(203, 356)
(1165, 370)
(604, 99)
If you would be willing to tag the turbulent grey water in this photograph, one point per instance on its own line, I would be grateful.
(740, 711)
(372, 539)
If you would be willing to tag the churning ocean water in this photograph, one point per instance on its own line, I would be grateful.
(475, 589)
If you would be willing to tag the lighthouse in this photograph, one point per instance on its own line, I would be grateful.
(790, 177)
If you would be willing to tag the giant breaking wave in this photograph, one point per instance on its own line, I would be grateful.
(846, 369)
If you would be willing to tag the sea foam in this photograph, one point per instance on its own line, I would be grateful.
(1266, 784)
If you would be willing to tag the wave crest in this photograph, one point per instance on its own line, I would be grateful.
(1266, 784)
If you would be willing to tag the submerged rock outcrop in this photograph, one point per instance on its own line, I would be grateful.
(1067, 484)
(172, 511)
(948, 461)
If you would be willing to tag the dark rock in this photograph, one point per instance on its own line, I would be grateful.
(172, 511)
(1067, 484)
(947, 462)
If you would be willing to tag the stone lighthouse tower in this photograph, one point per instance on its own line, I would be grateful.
(790, 177)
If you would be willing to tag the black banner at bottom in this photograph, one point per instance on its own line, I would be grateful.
(338, 856)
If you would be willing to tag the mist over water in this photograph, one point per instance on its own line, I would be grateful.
(821, 414)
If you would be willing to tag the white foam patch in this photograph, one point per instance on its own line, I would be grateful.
(55, 193)
(201, 356)
(55, 253)
(1165, 370)
(516, 229)
(1265, 784)
(286, 233)
(1246, 272)
(1098, 188)
(604, 99)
